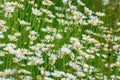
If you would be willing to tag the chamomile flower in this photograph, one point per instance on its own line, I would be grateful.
(48, 20)
(22, 51)
(56, 74)
(2, 23)
(1, 35)
(24, 23)
(49, 38)
(9, 9)
(47, 2)
(2, 74)
(59, 15)
(105, 2)
(64, 1)
(80, 74)
(73, 40)
(40, 46)
(100, 14)
(36, 12)
(12, 38)
(9, 71)
(80, 3)
(24, 71)
(58, 36)
(17, 34)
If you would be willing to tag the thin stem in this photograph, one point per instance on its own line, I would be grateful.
(4, 4)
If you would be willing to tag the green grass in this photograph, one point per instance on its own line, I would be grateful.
(79, 52)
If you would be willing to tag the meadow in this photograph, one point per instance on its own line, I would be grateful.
(59, 40)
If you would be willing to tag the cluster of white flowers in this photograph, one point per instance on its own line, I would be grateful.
(40, 40)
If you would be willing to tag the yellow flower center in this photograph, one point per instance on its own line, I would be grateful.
(92, 22)
(57, 37)
(2, 74)
(80, 75)
(9, 73)
(75, 68)
(2, 25)
(22, 51)
(48, 2)
(40, 46)
(9, 10)
(49, 38)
